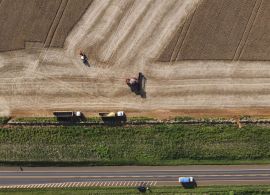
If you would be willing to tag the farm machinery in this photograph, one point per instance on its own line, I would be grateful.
(69, 116)
(113, 117)
(137, 84)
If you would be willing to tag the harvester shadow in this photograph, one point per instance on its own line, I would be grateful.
(143, 92)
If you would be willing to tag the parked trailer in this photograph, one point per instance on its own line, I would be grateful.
(66, 114)
(113, 117)
(112, 114)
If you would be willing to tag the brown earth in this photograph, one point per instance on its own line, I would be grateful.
(44, 21)
(222, 30)
(71, 15)
(123, 37)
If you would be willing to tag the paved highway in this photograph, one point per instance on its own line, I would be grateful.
(204, 175)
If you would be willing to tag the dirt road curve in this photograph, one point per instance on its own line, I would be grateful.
(121, 38)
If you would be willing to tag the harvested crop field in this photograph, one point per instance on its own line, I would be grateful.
(197, 55)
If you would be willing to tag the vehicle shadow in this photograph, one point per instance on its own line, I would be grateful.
(114, 121)
(190, 185)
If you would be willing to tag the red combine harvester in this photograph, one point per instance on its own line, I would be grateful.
(137, 84)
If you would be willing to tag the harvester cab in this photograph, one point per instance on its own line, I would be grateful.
(137, 84)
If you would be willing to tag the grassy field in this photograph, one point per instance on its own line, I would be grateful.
(140, 145)
(36, 119)
(230, 190)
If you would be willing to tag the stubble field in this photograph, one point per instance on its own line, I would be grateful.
(197, 55)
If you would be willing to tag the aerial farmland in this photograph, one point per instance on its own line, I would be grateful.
(199, 56)
(130, 96)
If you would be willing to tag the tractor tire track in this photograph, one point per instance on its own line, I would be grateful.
(184, 33)
(55, 23)
(251, 26)
(247, 30)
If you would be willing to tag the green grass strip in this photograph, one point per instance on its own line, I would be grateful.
(229, 190)
(135, 145)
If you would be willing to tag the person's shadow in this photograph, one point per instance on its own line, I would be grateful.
(86, 62)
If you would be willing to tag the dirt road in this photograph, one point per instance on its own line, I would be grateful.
(122, 38)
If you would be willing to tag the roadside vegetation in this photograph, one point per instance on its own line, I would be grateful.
(4, 120)
(228, 190)
(141, 119)
(94, 119)
(36, 119)
(135, 145)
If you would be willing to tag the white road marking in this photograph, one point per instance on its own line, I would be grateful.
(91, 183)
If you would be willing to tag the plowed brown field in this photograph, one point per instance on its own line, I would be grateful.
(180, 46)
(44, 21)
(223, 30)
